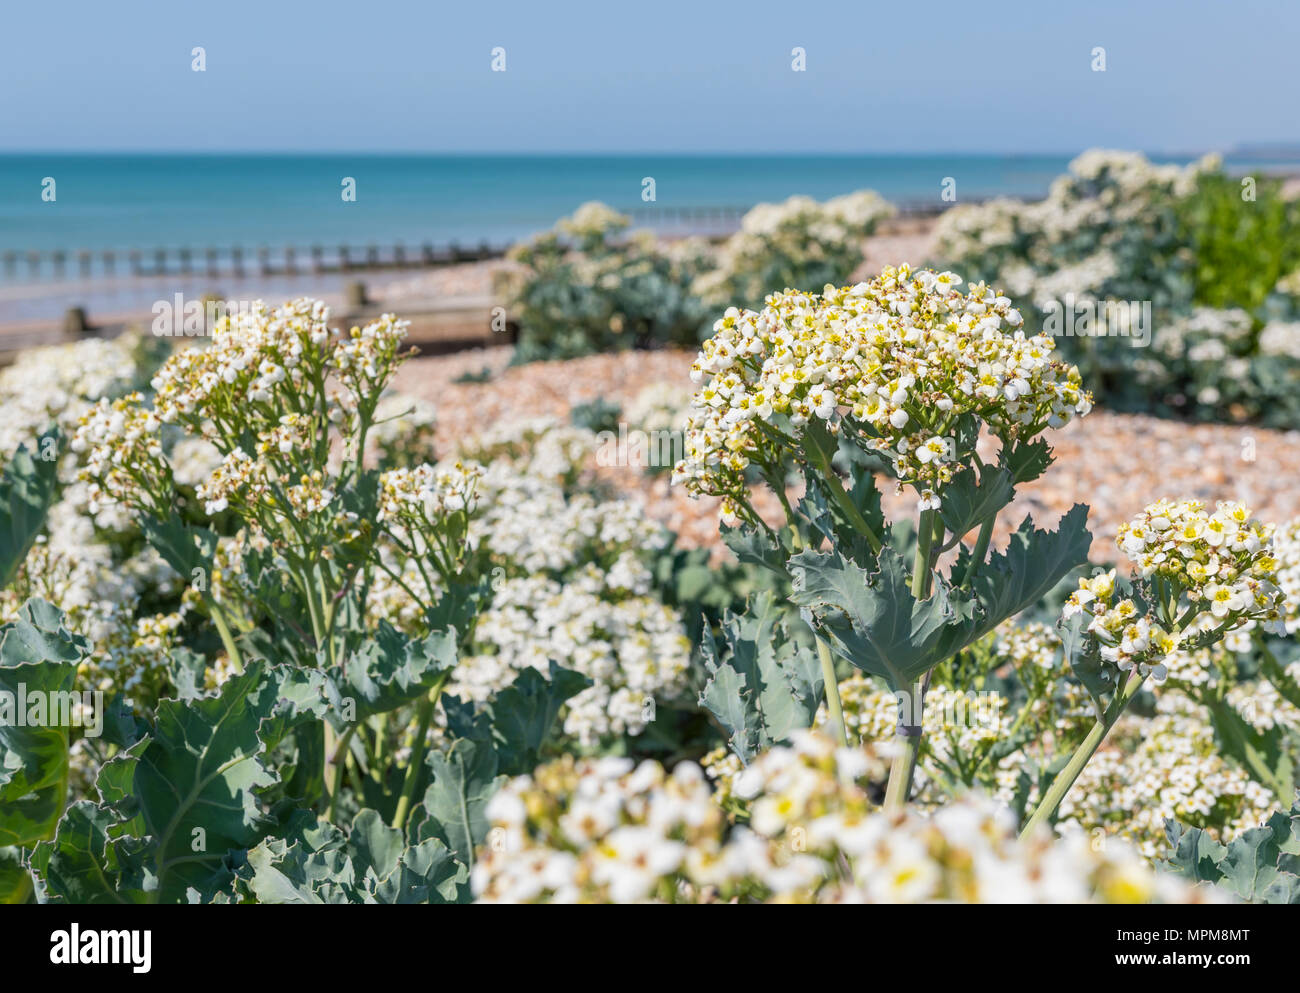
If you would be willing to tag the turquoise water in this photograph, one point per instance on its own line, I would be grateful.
(200, 202)
(170, 201)
(153, 201)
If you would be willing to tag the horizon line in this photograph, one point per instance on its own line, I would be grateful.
(707, 153)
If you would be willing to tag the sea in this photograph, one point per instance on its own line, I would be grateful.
(145, 202)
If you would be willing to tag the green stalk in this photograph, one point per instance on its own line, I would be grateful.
(335, 759)
(227, 639)
(908, 740)
(833, 706)
(908, 736)
(1087, 748)
(418, 748)
(980, 550)
(841, 497)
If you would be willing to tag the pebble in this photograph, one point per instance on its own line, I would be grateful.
(1115, 463)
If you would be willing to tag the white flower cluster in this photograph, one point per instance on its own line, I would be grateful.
(1221, 564)
(100, 594)
(1203, 335)
(539, 447)
(571, 583)
(798, 242)
(1106, 230)
(1280, 338)
(593, 220)
(1263, 707)
(122, 445)
(609, 831)
(56, 384)
(663, 406)
(527, 521)
(259, 354)
(428, 492)
(632, 646)
(898, 359)
(1286, 549)
(1030, 644)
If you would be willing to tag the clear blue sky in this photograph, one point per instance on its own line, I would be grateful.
(656, 75)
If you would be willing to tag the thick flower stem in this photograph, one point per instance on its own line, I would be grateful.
(1082, 755)
(980, 550)
(833, 707)
(911, 704)
(903, 768)
(419, 746)
(227, 639)
(831, 685)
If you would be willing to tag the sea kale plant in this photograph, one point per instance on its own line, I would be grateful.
(910, 377)
(589, 286)
(291, 761)
(800, 242)
(1209, 253)
(1199, 578)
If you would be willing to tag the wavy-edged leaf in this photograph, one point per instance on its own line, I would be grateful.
(1194, 853)
(184, 547)
(181, 800)
(522, 714)
(26, 491)
(38, 663)
(390, 670)
(766, 684)
(1033, 563)
(873, 620)
(464, 780)
(972, 498)
(1260, 865)
(315, 863)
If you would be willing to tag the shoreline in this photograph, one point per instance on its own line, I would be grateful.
(30, 310)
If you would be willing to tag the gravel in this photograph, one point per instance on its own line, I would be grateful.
(1115, 463)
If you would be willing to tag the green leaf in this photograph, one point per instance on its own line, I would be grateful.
(464, 780)
(767, 685)
(26, 491)
(38, 662)
(873, 620)
(1026, 460)
(1195, 854)
(181, 800)
(969, 500)
(391, 670)
(184, 547)
(1033, 563)
(82, 864)
(15, 880)
(523, 714)
(1263, 754)
(1259, 865)
(755, 547)
(1250, 866)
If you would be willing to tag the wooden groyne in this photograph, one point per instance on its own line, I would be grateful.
(320, 259)
(237, 261)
